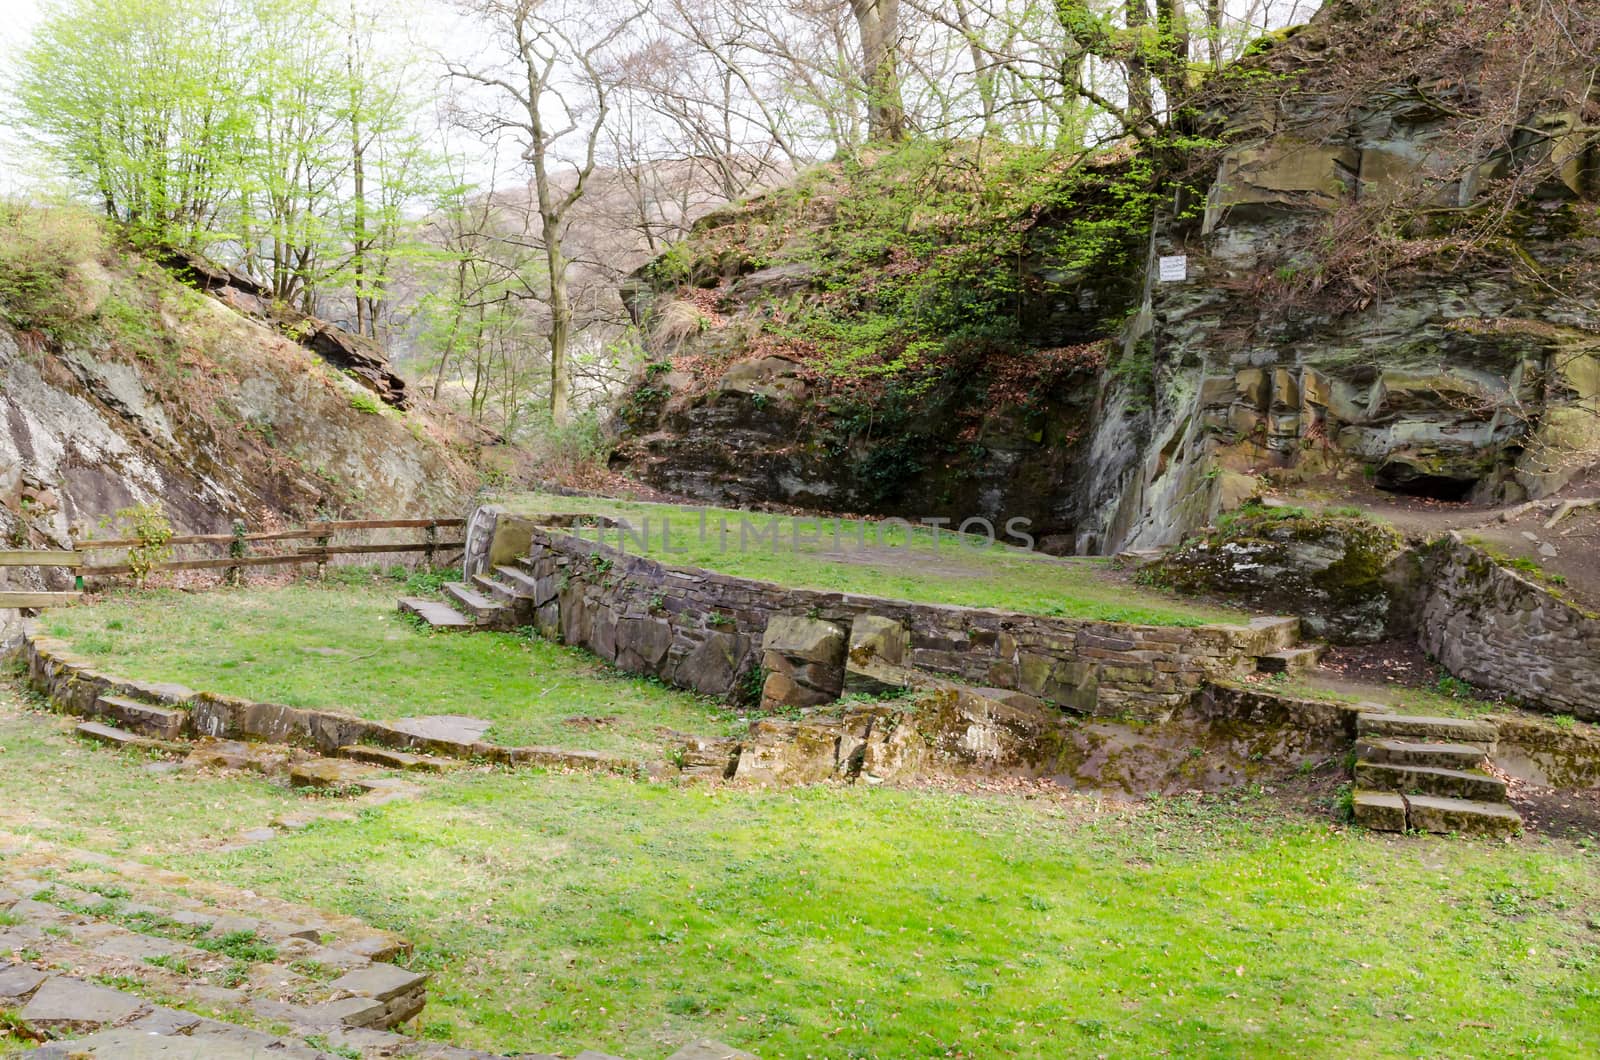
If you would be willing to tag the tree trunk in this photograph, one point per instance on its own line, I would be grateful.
(879, 21)
(560, 330)
(1141, 92)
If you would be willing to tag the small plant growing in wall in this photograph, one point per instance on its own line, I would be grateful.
(717, 618)
(148, 525)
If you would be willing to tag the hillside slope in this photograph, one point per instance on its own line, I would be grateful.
(120, 385)
(1387, 281)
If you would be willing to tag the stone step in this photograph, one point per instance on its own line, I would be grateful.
(498, 592)
(1418, 753)
(146, 719)
(385, 756)
(101, 732)
(1381, 811)
(437, 615)
(1421, 726)
(1291, 660)
(1434, 813)
(521, 582)
(1387, 811)
(1429, 780)
(467, 600)
(334, 773)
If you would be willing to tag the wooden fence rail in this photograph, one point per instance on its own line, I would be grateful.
(239, 554)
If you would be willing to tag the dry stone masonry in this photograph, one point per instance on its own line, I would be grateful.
(1501, 630)
(715, 633)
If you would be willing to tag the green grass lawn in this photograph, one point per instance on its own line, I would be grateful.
(558, 912)
(344, 647)
(919, 564)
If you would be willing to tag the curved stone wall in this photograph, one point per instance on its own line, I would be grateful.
(1503, 631)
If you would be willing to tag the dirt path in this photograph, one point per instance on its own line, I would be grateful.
(1558, 546)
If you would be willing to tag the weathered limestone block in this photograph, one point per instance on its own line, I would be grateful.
(874, 639)
(805, 662)
(789, 752)
(643, 643)
(1070, 683)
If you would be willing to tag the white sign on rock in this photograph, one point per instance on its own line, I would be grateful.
(1174, 268)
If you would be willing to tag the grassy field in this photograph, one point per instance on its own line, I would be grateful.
(344, 647)
(908, 564)
(560, 912)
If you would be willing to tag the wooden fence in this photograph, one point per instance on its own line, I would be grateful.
(243, 549)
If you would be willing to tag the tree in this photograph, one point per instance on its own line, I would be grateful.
(879, 22)
(139, 100)
(551, 91)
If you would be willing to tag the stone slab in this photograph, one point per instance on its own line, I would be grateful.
(1419, 753)
(1410, 726)
(63, 1006)
(1432, 813)
(331, 773)
(392, 759)
(1428, 780)
(456, 728)
(17, 981)
(380, 981)
(437, 615)
(1382, 811)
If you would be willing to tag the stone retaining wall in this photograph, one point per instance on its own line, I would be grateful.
(75, 686)
(1494, 627)
(701, 630)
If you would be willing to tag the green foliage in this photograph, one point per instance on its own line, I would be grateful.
(365, 401)
(149, 525)
(937, 245)
(192, 122)
(39, 247)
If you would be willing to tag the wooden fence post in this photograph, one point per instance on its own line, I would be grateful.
(432, 540)
(322, 558)
(77, 574)
(236, 550)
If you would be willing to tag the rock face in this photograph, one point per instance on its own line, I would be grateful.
(1440, 378)
(1436, 376)
(1340, 575)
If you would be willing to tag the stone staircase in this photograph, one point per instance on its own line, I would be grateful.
(501, 600)
(1424, 774)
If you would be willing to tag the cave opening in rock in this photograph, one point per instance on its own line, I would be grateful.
(1407, 479)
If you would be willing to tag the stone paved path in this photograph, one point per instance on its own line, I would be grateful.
(109, 958)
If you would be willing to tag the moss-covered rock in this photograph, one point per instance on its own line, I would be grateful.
(1338, 573)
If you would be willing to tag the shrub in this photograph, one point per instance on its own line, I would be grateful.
(39, 248)
(148, 524)
(570, 452)
(365, 401)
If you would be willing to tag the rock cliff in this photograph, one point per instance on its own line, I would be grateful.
(1386, 279)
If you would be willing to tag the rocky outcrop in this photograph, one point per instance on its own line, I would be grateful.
(1446, 369)
(357, 356)
(1501, 630)
(1341, 575)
